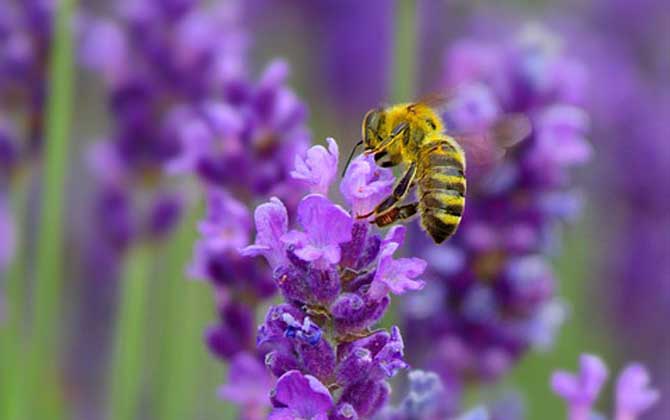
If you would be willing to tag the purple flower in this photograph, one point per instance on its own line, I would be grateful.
(365, 184)
(227, 223)
(299, 396)
(326, 225)
(492, 286)
(271, 225)
(580, 391)
(396, 276)
(318, 168)
(560, 137)
(633, 395)
(248, 386)
(335, 276)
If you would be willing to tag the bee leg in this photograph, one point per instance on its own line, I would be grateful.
(399, 192)
(396, 214)
(384, 144)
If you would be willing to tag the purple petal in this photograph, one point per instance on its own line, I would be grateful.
(633, 395)
(303, 394)
(282, 414)
(324, 222)
(396, 235)
(318, 168)
(271, 225)
(365, 184)
(396, 276)
(584, 387)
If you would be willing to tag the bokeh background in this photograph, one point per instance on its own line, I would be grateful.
(68, 252)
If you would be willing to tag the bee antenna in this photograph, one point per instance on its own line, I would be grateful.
(351, 156)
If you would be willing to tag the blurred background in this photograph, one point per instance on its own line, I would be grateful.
(99, 197)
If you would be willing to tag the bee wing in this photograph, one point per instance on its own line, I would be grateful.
(437, 100)
(487, 147)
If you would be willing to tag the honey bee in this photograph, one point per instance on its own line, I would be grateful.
(414, 134)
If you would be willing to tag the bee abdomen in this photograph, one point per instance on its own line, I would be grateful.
(442, 188)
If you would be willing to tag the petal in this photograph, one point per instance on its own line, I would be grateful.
(282, 414)
(633, 394)
(318, 168)
(564, 384)
(295, 237)
(303, 394)
(396, 234)
(271, 224)
(324, 222)
(309, 253)
(593, 374)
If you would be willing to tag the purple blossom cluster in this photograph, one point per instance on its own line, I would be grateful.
(25, 35)
(633, 395)
(154, 60)
(491, 294)
(335, 274)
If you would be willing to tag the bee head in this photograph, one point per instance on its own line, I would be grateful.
(372, 124)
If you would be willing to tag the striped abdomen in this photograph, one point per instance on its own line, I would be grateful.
(441, 188)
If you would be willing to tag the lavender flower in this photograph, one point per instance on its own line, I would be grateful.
(492, 294)
(335, 276)
(580, 391)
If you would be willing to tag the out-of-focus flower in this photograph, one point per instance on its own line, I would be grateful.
(491, 296)
(249, 385)
(335, 278)
(580, 391)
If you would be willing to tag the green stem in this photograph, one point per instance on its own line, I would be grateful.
(185, 309)
(12, 340)
(43, 353)
(404, 57)
(126, 370)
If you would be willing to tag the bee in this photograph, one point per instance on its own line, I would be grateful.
(413, 134)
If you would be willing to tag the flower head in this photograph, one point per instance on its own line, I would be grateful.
(335, 275)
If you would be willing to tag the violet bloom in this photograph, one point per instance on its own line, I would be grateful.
(428, 399)
(335, 276)
(580, 391)
(248, 387)
(491, 294)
